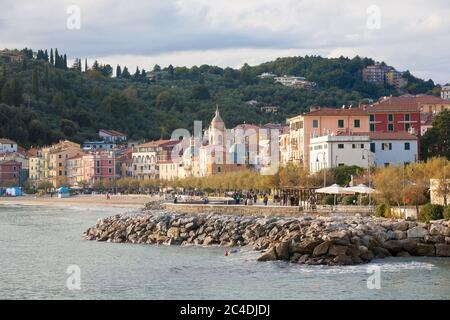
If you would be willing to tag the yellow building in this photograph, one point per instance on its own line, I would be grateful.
(74, 168)
(58, 156)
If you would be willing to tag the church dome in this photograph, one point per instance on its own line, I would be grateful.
(217, 121)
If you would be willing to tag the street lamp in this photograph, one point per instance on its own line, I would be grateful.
(323, 168)
(369, 156)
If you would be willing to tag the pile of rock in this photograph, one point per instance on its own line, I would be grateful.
(318, 240)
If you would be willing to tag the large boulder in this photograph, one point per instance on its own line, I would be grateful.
(174, 233)
(424, 249)
(395, 246)
(282, 250)
(442, 250)
(304, 247)
(269, 255)
(401, 226)
(337, 250)
(381, 253)
(417, 232)
(321, 249)
(343, 260)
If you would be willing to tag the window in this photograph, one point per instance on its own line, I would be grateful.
(391, 117)
(340, 123)
(372, 118)
(109, 170)
(109, 161)
(357, 123)
(59, 156)
(407, 146)
(218, 169)
(407, 126)
(340, 146)
(98, 170)
(372, 147)
(362, 145)
(372, 127)
(60, 164)
(98, 163)
(353, 146)
(341, 164)
(386, 146)
(60, 172)
(386, 164)
(390, 127)
(315, 123)
(407, 117)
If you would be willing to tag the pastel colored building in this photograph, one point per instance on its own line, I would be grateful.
(9, 172)
(74, 168)
(58, 155)
(319, 122)
(99, 166)
(7, 145)
(112, 136)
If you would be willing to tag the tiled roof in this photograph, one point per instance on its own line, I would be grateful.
(113, 132)
(337, 112)
(400, 135)
(6, 141)
(387, 107)
(157, 143)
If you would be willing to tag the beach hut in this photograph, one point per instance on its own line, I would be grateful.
(63, 192)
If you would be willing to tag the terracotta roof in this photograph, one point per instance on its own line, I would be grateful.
(113, 132)
(337, 112)
(157, 143)
(386, 107)
(7, 141)
(78, 156)
(33, 152)
(401, 135)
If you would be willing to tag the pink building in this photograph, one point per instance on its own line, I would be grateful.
(99, 166)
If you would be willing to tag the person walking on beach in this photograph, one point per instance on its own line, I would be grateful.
(266, 199)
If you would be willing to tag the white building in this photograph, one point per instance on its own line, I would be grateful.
(7, 145)
(394, 148)
(289, 80)
(112, 136)
(98, 145)
(333, 151)
(362, 149)
(445, 92)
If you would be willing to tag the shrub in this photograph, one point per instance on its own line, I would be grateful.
(383, 210)
(430, 212)
(327, 200)
(365, 201)
(349, 200)
(446, 213)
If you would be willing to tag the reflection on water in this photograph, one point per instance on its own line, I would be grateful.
(37, 244)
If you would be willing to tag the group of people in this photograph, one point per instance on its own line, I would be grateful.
(249, 198)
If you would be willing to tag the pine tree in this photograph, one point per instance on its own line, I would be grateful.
(46, 55)
(35, 81)
(65, 62)
(125, 73)
(118, 71)
(46, 78)
(52, 61)
(170, 71)
(85, 65)
(137, 74)
(96, 66)
(57, 62)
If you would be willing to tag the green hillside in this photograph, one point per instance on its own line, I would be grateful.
(42, 102)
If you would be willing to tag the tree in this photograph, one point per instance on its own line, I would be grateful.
(118, 71)
(156, 68)
(436, 141)
(170, 71)
(64, 66)
(86, 68)
(126, 73)
(35, 81)
(389, 183)
(52, 60)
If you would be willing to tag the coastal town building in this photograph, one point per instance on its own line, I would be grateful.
(98, 145)
(445, 92)
(112, 136)
(58, 155)
(322, 121)
(9, 173)
(7, 145)
(75, 173)
(99, 166)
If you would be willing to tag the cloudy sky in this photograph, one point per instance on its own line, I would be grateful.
(410, 34)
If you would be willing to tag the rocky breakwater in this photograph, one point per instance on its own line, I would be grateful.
(306, 240)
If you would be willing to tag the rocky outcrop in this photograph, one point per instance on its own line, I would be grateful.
(307, 240)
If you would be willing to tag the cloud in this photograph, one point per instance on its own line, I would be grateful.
(413, 34)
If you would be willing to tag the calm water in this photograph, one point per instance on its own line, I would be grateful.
(37, 244)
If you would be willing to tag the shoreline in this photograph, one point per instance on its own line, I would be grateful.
(308, 240)
(120, 201)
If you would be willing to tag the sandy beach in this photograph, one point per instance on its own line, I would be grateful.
(124, 201)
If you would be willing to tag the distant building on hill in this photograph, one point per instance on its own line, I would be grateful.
(381, 74)
(112, 136)
(445, 92)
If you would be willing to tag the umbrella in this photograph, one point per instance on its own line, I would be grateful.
(334, 189)
(361, 188)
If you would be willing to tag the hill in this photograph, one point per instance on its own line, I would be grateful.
(43, 100)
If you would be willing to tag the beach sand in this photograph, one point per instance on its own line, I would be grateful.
(123, 201)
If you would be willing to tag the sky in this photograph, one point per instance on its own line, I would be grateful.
(409, 35)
